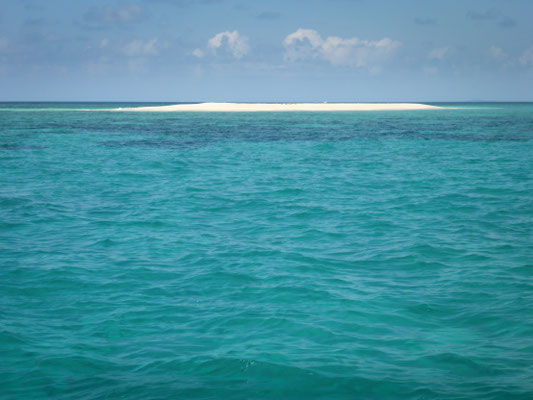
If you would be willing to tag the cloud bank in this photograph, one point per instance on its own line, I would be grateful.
(307, 44)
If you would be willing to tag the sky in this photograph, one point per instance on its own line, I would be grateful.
(276, 50)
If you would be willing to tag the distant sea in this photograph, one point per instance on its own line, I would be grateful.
(298, 255)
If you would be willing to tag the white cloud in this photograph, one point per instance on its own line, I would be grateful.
(304, 34)
(198, 53)
(526, 58)
(104, 43)
(497, 53)
(353, 52)
(140, 48)
(302, 44)
(233, 42)
(440, 53)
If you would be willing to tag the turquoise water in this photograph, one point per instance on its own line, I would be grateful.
(335, 255)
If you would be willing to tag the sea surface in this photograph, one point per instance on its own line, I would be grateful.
(297, 255)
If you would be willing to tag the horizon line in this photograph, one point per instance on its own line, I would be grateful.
(266, 102)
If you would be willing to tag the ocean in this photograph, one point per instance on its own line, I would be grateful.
(298, 255)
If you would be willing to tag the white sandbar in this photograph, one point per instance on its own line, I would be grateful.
(249, 107)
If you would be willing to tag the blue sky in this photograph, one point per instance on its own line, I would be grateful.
(291, 50)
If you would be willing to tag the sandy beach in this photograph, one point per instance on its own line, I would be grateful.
(253, 107)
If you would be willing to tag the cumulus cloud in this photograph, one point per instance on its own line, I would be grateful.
(526, 59)
(140, 48)
(231, 42)
(440, 53)
(307, 44)
(198, 53)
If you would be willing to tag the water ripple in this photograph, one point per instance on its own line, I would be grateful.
(298, 255)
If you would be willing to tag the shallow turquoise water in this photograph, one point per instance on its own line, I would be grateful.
(370, 255)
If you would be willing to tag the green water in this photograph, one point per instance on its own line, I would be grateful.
(333, 255)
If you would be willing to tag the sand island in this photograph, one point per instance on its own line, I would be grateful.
(249, 107)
